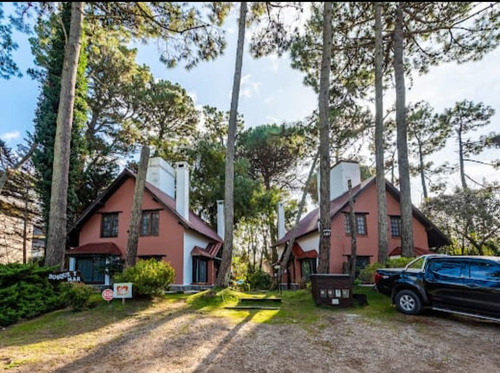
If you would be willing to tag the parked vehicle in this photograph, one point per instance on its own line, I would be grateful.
(467, 285)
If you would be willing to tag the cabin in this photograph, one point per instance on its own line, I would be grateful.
(305, 250)
(169, 230)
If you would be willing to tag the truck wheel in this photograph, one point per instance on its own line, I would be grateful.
(408, 302)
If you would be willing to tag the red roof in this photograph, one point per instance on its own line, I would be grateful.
(198, 251)
(418, 251)
(108, 248)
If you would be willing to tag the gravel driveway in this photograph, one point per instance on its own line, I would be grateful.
(187, 341)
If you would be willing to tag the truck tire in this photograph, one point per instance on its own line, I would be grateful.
(408, 302)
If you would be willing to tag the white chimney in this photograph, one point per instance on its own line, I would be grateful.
(281, 220)
(161, 175)
(182, 189)
(340, 174)
(220, 218)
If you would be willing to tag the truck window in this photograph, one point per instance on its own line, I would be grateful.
(416, 264)
(447, 268)
(485, 271)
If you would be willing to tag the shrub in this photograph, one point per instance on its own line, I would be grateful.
(77, 295)
(26, 292)
(149, 277)
(367, 274)
(259, 280)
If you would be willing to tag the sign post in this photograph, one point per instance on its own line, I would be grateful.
(122, 290)
(107, 295)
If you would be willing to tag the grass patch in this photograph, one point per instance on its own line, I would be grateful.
(379, 305)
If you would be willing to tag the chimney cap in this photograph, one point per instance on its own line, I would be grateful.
(344, 161)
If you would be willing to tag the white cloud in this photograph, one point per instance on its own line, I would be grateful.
(248, 88)
(269, 99)
(10, 135)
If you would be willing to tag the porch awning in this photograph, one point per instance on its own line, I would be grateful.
(102, 248)
(198, 251)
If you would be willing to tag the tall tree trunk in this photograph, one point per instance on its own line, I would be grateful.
(324, 141)
(354, 232)
(227, 253)
(56, 237)
(422, 171)
(135, 219)
(407, 249)
(379, 139)
(461, 158)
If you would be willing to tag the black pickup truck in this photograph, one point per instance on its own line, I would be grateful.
(468, 285)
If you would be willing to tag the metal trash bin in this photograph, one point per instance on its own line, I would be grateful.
(332, 290)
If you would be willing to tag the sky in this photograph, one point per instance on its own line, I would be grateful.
(272, 92)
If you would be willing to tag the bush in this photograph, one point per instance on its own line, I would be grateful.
(367, 274)
(149, 277)
(259, 280)
(77, 295)
(26, 292)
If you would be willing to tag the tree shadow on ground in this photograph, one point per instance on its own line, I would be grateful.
(67, 323)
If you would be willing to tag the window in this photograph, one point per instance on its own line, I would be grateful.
(92, 268)
(360, 224)
(396, 226)
(485, 271)
(447, 268)
(307, 268)
(109, 225)
(149, 223)
(200, 269)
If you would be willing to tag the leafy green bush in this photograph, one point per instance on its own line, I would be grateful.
(149, 277)
(26, 292)
(367, 274)
(77, 295)
(259, 280)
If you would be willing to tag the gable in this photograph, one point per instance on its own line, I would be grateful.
(118, 197)
(365, 198)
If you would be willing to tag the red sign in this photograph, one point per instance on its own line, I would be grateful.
(107, 295)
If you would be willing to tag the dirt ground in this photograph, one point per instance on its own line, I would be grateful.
(174, 340)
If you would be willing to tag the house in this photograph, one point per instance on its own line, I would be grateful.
(21, 237)
(169, 230)
(306, 247)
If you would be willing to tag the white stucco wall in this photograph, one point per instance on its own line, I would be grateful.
(309, 242)
(191, 239)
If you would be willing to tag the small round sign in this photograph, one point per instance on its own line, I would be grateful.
(107, 295)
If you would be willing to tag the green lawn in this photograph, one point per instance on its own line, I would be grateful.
(62, 332)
